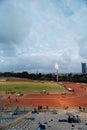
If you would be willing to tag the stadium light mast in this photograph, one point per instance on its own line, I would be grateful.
(56, 68)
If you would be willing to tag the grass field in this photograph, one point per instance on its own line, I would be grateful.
(31, 87)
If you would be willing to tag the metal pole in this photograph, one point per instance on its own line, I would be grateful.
(57, 76)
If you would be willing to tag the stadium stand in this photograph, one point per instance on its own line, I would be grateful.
(51, 121)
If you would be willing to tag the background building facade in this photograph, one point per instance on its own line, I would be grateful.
(84, 68)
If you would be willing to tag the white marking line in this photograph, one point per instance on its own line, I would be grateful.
(39, 98)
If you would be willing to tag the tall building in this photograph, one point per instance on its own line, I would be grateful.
(84, 69)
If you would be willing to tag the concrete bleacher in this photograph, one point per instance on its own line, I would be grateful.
(51, 121)
(7, 118)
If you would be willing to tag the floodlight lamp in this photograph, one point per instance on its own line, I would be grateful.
(56, 66)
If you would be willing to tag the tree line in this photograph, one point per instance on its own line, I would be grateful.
(49, 76)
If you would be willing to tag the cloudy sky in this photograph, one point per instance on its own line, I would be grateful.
(36, 34)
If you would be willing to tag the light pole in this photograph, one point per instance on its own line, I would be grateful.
(56, 67)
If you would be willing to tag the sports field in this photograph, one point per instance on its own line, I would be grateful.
(32, 87)
(55, 95)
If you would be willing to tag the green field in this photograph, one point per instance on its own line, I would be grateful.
(31, 87)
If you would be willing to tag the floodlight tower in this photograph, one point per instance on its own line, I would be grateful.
(56, 67)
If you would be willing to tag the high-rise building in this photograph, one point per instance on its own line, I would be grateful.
(84, 69)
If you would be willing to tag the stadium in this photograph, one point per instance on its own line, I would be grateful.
(43, 65)
(32, 105)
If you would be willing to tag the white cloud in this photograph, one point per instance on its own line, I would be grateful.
(37, 34)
